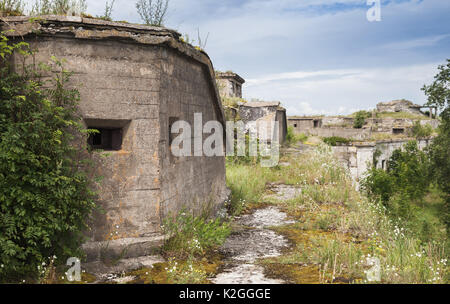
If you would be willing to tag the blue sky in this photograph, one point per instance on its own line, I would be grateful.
(316, 56)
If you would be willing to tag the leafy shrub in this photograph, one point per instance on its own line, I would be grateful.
(408, 173)
(292, 138)
(438, 94)
(419, 131)
(360, 119)
(336, 141)
(45, 180)
(189, 235)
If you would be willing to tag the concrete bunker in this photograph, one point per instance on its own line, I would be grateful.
(134, 82)
(230, 84)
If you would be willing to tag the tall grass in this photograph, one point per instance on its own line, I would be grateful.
(356, 228)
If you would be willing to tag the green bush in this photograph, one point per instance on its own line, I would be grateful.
(419, 131)
(408, 173)
(360, 119)
(438, 95)
(45, 180)
(292, 138)
(403, 188)
(336, 141)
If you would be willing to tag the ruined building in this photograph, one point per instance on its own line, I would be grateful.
(230, 88)
(266, 112)
(230, 84)
(402, 105)
(135, 82)
(393, 118)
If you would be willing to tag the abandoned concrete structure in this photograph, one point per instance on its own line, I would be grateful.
(268, 112)
(135, 82)
(358, 157)
(341, 126)
(230, 84)
(404, 105)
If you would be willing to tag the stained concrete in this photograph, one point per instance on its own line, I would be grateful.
(136, 78)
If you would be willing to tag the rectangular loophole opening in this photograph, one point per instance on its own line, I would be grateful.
(106, 139)
(109, 135)
(398, 131)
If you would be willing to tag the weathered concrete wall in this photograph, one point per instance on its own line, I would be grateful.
(350, 133)
(399, 106)
(337, 121)
(301, 125)
(268, 112)
(196, 181)
(358, 158)
(343, 126)
(282, 119)
(229, 84)
(136, 78)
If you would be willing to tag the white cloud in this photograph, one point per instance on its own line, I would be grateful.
(342, 91)
(415, 43)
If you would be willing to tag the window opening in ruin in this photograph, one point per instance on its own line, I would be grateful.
(295, 125)
(109, 139)
(383, 164)
(316, 123)
(398, 131)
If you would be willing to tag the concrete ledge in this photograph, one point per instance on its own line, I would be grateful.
(112, 251)
(101, 270)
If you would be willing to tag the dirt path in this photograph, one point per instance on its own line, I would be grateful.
(251, 242)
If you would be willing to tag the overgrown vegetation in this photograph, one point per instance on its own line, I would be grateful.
(336, 141)
(59, 7)
(108, 11)
(292, 138)
(190, 236)
(336, 228)
(420, 131)
(189, 247)
(46, 182)
(438, 94)
(360, 119)
(11, 7)
(403, 187)
(152, 12)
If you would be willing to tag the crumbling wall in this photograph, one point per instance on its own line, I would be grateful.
(399, 106)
